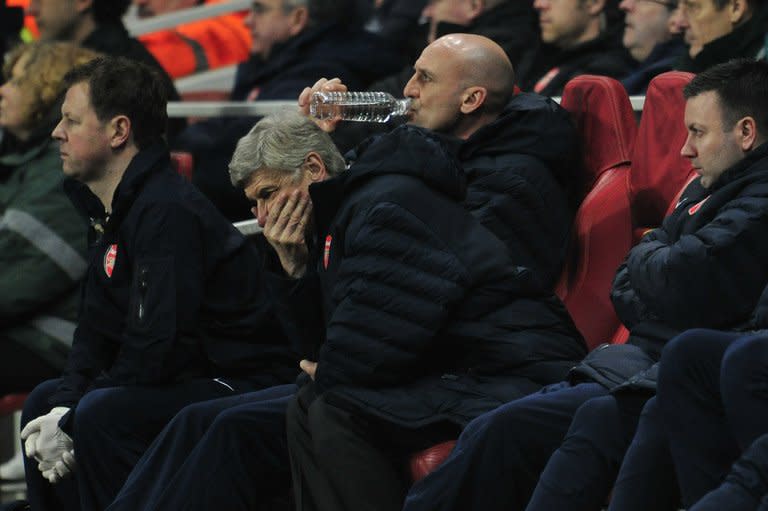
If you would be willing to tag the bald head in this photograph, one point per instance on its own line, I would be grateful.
(460, 83)
(480, 63)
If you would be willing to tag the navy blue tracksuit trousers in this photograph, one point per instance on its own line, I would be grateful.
(499, 456)
(646, 479)
(746, 486)
(713, 396)
(112, 427)
(227, 453)
(581, 472)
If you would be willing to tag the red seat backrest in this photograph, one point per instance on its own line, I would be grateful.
(602, 230)
(658, 171)
(605, 120)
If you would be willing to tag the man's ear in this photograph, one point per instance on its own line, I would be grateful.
(299, 20)
(475, 8)
(315, 165)
(738, 11)
(746, 131)
(120, 131)
(83, 5)
(473, 98)
(595, 7)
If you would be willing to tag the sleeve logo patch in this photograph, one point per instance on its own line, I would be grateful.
(327, 251)
(110, 256)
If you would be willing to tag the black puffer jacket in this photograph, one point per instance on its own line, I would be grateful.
(703, 268)
(172, 291)
(426, 316)
(522, 174)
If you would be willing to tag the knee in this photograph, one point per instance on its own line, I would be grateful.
(200, 414)
(93, 414)
(677, 354)
(36, 403)
(744, 365)
(597, 423)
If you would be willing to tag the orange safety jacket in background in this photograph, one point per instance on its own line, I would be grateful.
(201, 45)
(30, 27)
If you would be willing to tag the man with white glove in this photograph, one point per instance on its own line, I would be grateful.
(49, 445)
(173, 310)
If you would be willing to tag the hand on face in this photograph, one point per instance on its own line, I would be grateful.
(285, 229)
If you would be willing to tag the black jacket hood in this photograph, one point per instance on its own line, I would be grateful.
(411, 151)
(521, 129)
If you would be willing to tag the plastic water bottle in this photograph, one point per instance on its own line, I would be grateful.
(357, 106)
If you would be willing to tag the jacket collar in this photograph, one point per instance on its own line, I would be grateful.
(740, 168)
(141, 167)
(407, 150)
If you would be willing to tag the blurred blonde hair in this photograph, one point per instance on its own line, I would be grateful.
(44, 65)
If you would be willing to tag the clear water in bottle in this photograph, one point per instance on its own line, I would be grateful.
(357, 106)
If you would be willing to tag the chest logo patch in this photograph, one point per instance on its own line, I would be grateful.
(110, 256)
(696, 207)
(327, 251)
(546, 79)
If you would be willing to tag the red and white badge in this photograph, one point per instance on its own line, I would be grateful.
(110, 256)
(696, 207)
(546, 79)
(327, 251)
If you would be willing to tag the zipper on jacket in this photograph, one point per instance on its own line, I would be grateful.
(143, 286)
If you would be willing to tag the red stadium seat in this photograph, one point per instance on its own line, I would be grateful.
(658, 171)
(11, 403)
(183, 163)
(424, 462)
(602, 230)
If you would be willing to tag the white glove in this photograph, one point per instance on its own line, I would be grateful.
(61, 469)
(44, 440)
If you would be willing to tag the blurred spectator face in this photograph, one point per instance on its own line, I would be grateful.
(56, 19)
(705, 23)
(457, 12)
(711, 146)
(678, 24)
(84, 141)
(270, 23)
(149, 8)
(567, 23)
(15, 103)
(646, 24)
(436, 89)
(34, 75)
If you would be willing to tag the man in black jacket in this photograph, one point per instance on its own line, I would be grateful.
(426, 321)
(719, 30)
(98, 25)
(169, 476)
(294, 43)
(711, 403)
(519, 151)
(577, 37)
(702, 268)
(173, 309)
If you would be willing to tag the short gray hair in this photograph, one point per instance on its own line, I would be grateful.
(281, 142)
